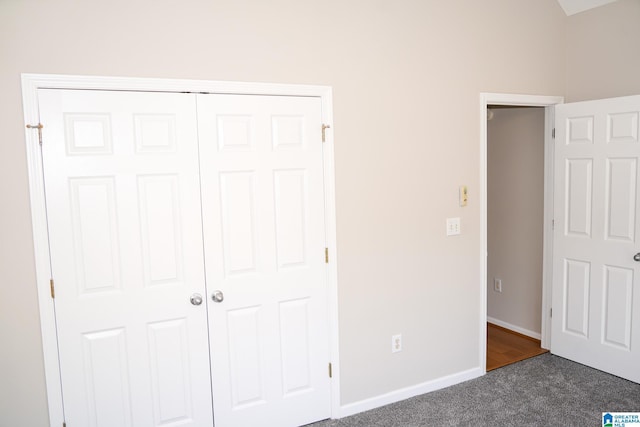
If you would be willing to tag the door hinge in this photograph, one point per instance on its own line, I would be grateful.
(39, 126)
(53, 290)
(551, 312)
(326, 255)
(64, 424)
(330, 371)
(553, 133)
(553, 224)
(324, 128)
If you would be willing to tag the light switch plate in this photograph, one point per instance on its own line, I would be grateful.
(453, 226)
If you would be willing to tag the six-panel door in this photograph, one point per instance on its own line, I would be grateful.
(123, 206)
(263, 204)
(596, 294)
(123, 174)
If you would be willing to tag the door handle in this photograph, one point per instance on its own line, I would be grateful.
(636, 257)
(196, 299)
(217, 296)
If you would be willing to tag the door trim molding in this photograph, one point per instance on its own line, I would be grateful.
(486, 99)
(30, 85)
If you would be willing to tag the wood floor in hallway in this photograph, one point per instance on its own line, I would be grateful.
(505, 347)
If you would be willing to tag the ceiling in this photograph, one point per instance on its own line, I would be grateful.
(571, 7)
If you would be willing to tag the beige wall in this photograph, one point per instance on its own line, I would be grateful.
(603, 52)
(515, 207)
(406, 77)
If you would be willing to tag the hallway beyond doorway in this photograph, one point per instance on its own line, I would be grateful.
(505, 347)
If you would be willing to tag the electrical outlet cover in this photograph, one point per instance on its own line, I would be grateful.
(396, 343)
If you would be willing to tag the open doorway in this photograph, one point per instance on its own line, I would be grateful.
(498, 102)
(515, 216)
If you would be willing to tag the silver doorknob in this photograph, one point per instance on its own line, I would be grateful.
(196, 299)
(636, 257)
(217, 296)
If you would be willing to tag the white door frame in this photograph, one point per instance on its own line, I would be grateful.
(30, 85)
(548, 102)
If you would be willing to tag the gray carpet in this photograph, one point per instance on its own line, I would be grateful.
(542, 391)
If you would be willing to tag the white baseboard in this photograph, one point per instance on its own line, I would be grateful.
(406, 393)
(515, 328)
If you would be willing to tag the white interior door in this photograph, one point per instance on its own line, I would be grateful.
(596, 281)
(123, 205)
(263, 205)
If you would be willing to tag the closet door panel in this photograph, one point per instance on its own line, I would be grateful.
(123, 204)
(263, 209)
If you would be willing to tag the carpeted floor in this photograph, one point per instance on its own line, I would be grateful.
(542, 391)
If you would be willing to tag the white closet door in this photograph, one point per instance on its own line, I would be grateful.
(123, 205)
(596, 280)
(263, 208)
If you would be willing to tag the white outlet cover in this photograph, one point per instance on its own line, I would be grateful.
(396, 343)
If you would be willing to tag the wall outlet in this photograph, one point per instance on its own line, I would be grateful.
(396, 343)
(497, 285)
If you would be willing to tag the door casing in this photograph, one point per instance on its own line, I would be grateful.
(30, 85)
(506, 99)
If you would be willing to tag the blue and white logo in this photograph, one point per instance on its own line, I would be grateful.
(620, 419)
(607, 420)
